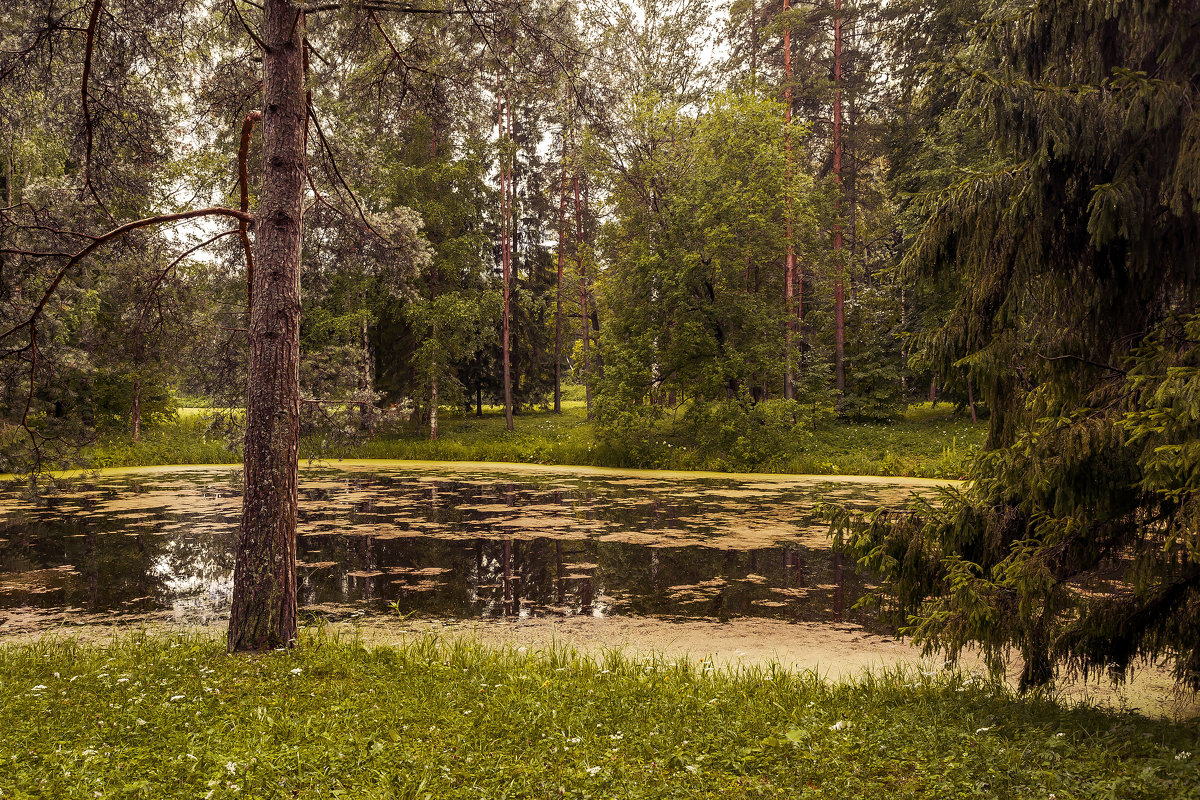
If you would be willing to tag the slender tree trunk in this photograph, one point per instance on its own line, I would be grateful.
(263, 616)
(970, 399)
(505, 255)
(558, 302)
(583, 297)
(789, 261)
(839, 279)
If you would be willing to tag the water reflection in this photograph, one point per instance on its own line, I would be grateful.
(440, 541)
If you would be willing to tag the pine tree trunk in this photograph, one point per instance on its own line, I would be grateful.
(789, 261)
(562, 235)
(263, 616)
(839, 284)
(583, 297)
(505, 259)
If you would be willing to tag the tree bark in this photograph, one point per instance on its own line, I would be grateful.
(583, 297)
(263, 616)
(505, 255)
(562, 235)
(839, 284)
(789, 261)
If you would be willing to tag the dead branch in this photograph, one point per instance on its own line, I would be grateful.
(338, 173)
(167, 270)
(244, 190)
(31, 321)
(89, 49)
(246, 25)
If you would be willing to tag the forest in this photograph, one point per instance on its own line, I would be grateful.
(717, 234)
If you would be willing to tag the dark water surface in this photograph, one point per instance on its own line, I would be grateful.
(462, 541)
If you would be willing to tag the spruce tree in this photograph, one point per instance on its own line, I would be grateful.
(1072, 248)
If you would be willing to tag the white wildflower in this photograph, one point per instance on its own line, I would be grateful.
(1183, 755)
(175, 697)
(231, 766)
(982, 730)
(297, 671)
(38, 688)
(840, 725)
(592, 770)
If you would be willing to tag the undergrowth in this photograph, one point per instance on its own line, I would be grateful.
(927, 443)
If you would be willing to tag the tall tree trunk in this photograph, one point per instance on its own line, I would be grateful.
(505, 254)
(583, 296)
(839, 279)
(789, 261)
(263, 616)
(558, 291)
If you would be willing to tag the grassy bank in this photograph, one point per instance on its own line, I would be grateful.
(926, 442)
(178, 718)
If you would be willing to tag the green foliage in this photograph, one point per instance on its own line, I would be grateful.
(178, 717)
(926, 443)
(738, 435)
(112, 398)
(692, 293)
(873, 357)
(1069, 256)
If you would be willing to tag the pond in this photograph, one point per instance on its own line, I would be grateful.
(441, 540)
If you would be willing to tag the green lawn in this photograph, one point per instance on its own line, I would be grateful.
(176, 717)
(925, 442)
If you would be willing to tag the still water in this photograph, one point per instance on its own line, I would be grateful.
(442, 540)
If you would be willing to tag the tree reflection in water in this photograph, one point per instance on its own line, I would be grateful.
(473, 543)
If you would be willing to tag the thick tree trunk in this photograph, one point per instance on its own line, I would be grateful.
(263, 616)
(839, 285)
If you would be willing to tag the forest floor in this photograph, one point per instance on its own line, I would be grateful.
(168, 716)
(926, 441)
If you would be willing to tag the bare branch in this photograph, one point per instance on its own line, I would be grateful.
(31, 321)
(167, 270)
(338, 173)
(249, 30)
(244, 189)
(89, 49)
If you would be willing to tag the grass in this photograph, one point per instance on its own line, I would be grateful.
(147, 717)
(928, 442)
